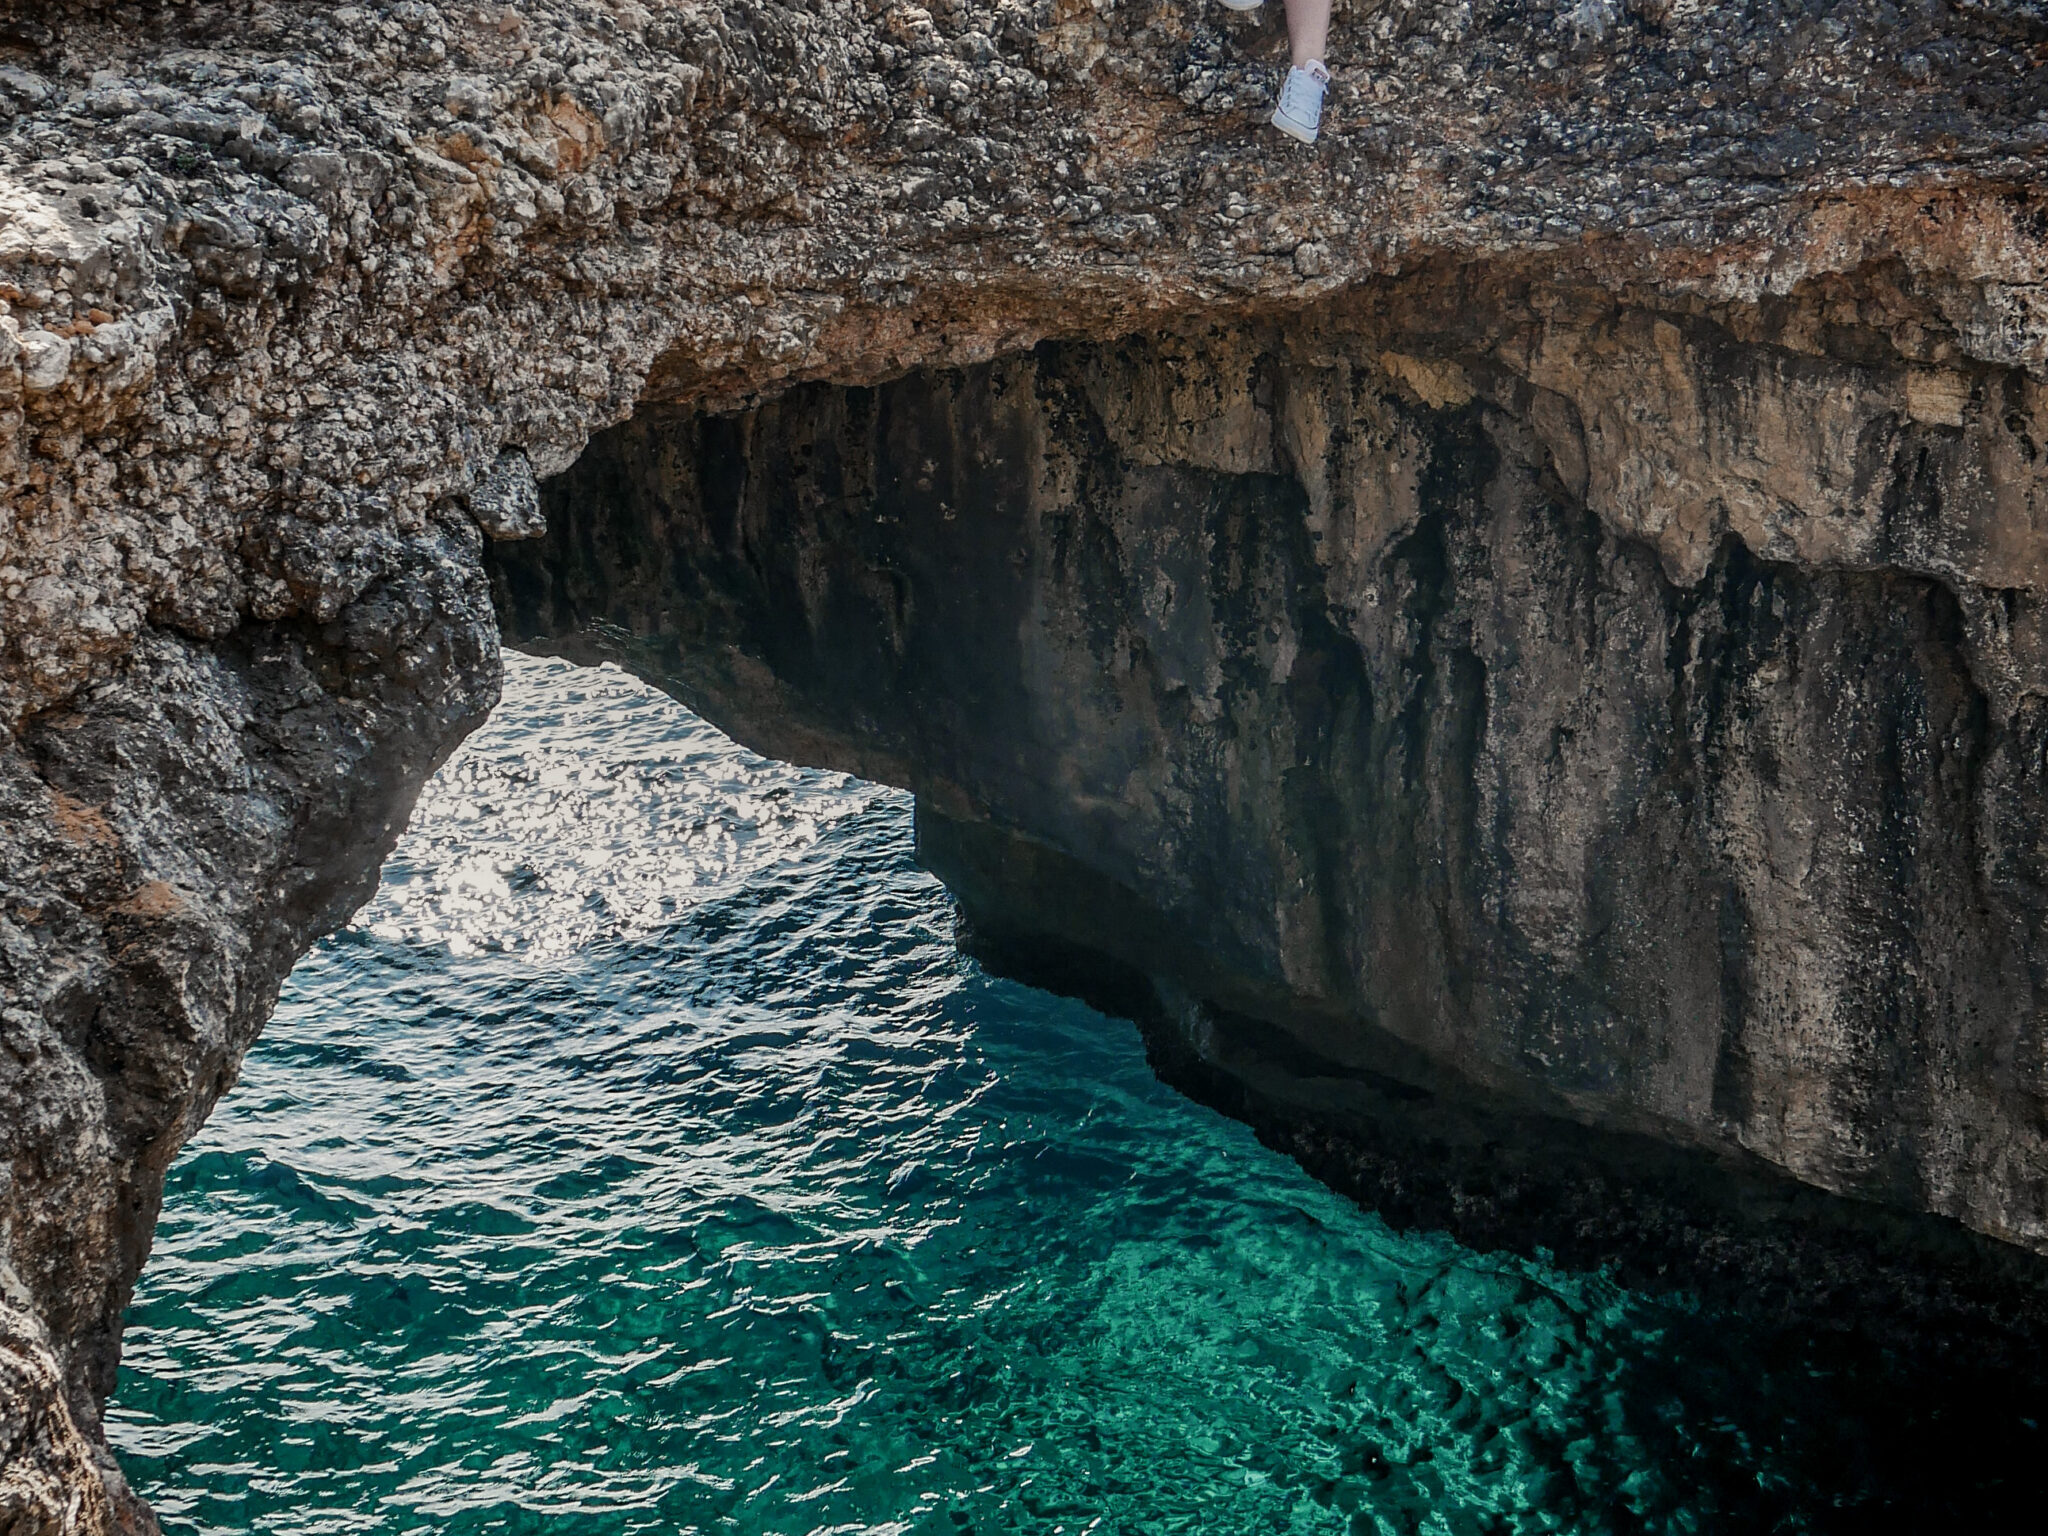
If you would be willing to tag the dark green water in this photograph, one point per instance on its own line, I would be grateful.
(646, 1159)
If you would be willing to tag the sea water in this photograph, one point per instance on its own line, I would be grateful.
(645, 1158)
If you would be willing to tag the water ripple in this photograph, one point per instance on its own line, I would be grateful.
(645, 1159)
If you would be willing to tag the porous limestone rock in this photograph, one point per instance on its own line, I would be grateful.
(1338, 649)
(295, 297)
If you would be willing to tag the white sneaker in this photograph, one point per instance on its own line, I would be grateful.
(1300, 112)
(1240, 5)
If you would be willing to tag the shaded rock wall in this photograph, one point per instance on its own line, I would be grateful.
(186, 829)
(296, 299)
(1370, 667)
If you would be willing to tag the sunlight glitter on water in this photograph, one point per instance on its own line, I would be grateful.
(547, 852)
(645, 1158)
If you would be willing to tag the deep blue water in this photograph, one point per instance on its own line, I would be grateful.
(645, 1158)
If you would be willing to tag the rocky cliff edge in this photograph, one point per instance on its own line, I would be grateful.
(296, 301)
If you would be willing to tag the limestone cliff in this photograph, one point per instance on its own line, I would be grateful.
(1326, 672)
(1624, 403)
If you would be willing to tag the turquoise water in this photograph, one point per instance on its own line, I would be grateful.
(645, 1159)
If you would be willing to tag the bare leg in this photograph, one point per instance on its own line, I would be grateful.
(1308, 30)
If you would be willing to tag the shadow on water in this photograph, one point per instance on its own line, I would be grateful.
(647, 1158)
(1894, 1360)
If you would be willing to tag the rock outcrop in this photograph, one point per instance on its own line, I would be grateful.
(1342, 675)
(1665, 356)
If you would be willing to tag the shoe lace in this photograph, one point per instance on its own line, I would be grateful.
(1301, 96)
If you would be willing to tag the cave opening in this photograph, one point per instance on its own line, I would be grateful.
(1248, 692)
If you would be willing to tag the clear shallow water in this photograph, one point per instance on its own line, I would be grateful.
(644, 1158)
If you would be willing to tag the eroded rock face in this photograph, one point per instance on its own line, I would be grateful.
(1656, 740)
(184, 829)
(295, 299)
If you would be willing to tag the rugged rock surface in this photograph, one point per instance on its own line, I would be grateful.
(1733, 304)
(1610, 733)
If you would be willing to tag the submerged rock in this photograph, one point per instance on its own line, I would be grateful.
(1585, 512)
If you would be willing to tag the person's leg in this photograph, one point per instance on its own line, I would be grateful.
(1300, 112)
(1308, 30)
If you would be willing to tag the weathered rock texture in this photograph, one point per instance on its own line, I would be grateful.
(1682, 347)
(1633, 710)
